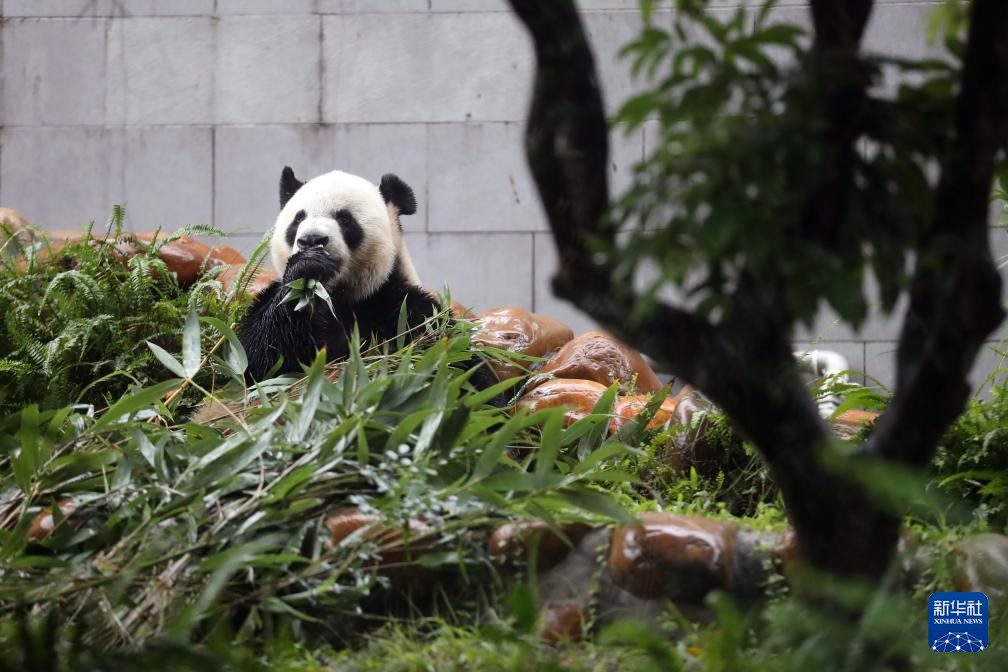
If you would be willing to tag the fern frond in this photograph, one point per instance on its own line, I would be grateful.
(75, 281)
(191, 230)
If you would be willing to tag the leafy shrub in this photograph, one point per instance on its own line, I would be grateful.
(183, 529)
(972, 460)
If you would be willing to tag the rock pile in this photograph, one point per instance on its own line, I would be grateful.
(186, 257)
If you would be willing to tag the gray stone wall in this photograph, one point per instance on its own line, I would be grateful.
(185, 111)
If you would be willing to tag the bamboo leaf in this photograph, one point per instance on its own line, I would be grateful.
(310, 398)
(596, 502)
(129, 404)
(191, 345)
(168, 360)
(237, 359)
(549, 443)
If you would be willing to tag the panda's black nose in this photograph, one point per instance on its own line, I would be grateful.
(312, 240)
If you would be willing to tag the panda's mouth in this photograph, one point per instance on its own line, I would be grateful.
(317, 262)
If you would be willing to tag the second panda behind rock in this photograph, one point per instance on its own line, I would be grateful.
(342, 231)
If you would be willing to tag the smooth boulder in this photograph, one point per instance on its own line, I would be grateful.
(517, 330)
(577, 396)
(602, 358)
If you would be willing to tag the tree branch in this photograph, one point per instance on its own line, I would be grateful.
(955, 297)
(567, 144)
(840, 81)
(745, 364)
(840, 25)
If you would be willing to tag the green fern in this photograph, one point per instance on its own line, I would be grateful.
(73, 315)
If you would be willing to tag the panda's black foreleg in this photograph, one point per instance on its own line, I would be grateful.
(272, 329)
(420, 305)
(484, 377)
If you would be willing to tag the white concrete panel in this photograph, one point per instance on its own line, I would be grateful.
(59, 178)
(78, 8)
(225, 7)
(544, 299)
(371, 6)
(990, 367)
(228, 7)
(479, 179)
(420, 67)
(469, 6)
(483, 270)
(625, 152)
(652, 135)
(882, 327)
(880, 360)
(900, 30)
(249, 160)
(53, 72)
(160, 70)
(167, 177)
(267, 69)
(608, 33)
(247, 166)
(246, 245)
(595, 5)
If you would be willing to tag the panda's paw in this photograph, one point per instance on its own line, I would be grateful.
(313, 264)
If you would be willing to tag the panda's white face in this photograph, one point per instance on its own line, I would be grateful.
(346, 216)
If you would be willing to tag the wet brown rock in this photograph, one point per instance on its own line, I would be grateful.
(222, 254)
(563, 622)
(13, 224)
(185, 257)
(517, 330)
(982, 566)
(692, 448)
(849, 423)
(513, 539)
(392, 544)
(50, 247)
(260, 280)
(786, 553)
(600, 357)
(690, 401)
(579, 396)
(627, 408)
(43, 524)
(460, 312)
(673, 556)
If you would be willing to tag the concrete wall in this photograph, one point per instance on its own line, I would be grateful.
(185, 111)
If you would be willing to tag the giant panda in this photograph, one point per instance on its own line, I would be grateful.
(343, 231)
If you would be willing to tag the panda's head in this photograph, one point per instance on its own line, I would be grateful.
(354, 221)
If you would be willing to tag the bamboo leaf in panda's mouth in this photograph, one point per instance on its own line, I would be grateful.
(320, 291)
(304, 291)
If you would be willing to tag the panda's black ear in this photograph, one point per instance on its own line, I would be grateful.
(398, 193)
(288, 185)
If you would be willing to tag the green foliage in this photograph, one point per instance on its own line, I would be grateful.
(74, 314)
(717, 205)
(706, 468)
(180, 529)
(890, 633)
(971, 462)
(439, 646)
(306, 292)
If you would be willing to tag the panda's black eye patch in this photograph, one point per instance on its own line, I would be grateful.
(353, 234)
(293, 227)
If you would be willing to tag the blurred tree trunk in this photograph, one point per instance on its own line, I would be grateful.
(745, 363)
